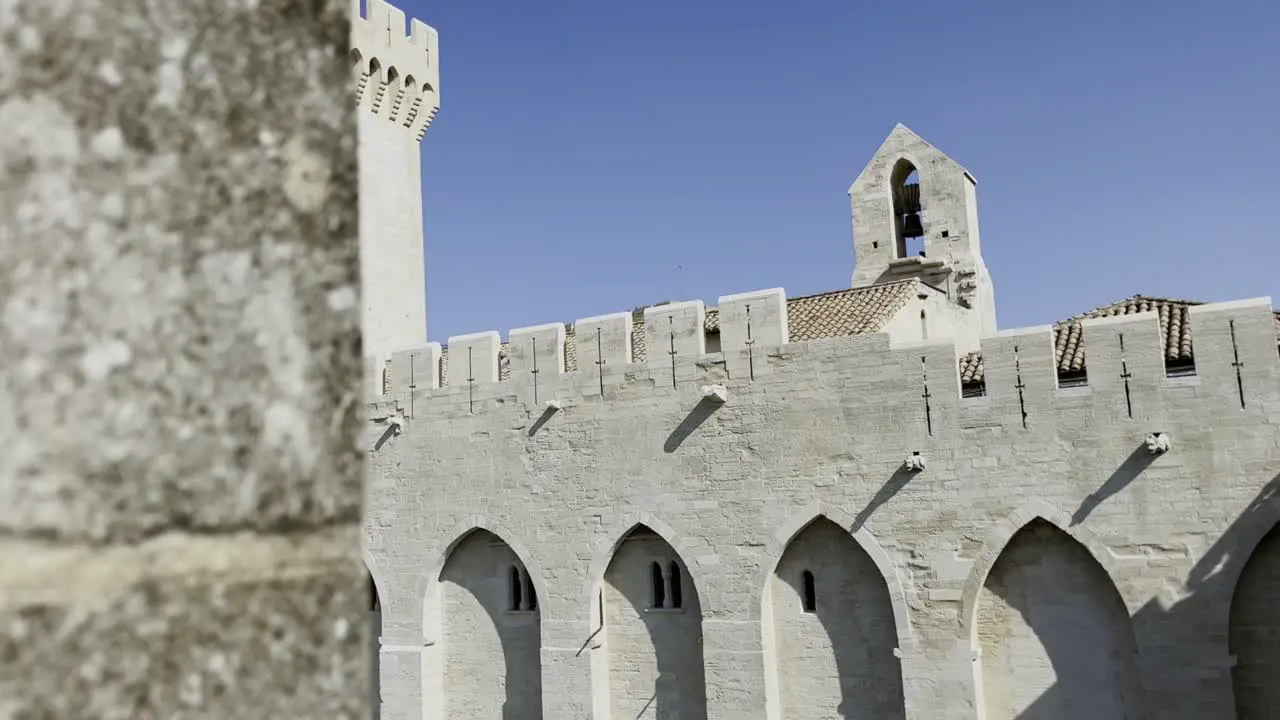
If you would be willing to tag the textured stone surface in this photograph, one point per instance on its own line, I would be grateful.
(179, 627)
(1038, 562)
(823, 430)
(179, 336)
(177, 224)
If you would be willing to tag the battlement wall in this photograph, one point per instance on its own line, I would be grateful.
(729, 454)
(609, 356)
(397, 75)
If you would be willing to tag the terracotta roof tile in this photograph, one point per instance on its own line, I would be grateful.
(1069, 342)
(848, 312)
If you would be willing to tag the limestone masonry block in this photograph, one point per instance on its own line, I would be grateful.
(540, 347)
(1134, 339)
(1022, 356)
(1125, 363)
(757, 318)
(1233, 337)
(474, 358)
(678, 327)
(603, 338)
(416, 369)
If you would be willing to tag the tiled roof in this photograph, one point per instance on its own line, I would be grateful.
(1068, 343)
(865, 310)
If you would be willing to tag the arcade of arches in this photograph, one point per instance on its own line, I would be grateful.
(1056, 639)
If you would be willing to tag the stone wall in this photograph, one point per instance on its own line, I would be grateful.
(180, 488)
(1128, 564)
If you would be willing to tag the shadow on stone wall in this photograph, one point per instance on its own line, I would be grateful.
(675, 635)
(1049, 613)
(1185, 650)
(477, 613)
(853, 606)
(375, 650)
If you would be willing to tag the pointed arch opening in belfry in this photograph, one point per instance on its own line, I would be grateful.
(908, 211)
(1254, 632)
(834, 632)
(490, 632)
(1055, 636)
(652, 626)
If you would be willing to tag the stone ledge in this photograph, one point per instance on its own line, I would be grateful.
(236, 626)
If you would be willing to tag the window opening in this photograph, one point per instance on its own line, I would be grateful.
(516, 589)
(530, 593)
(908, 212)
(659, 590)
(809, 598)
(676, 591)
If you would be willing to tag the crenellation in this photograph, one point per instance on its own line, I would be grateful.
(403, 70)
(749, 324)
(1021, 373)
(1126, 366)
(1021, 369)
(1235, 347)
(603, 343)
(536, 349)
(413, 370)
(535, 357)
(473, 359)
(675, 338)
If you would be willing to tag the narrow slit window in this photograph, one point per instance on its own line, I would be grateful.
(659, 590)
(374, 604)
(809, 593)
(676, 590)
(516, 589)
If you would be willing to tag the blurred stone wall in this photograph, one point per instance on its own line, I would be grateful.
(180, 487)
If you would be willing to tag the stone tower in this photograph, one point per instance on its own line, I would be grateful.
(398, 90)
(915, 214)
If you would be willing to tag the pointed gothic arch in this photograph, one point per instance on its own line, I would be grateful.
(428, 578)
(906, 198)
(998, 539)
(838, 626)
(646, 645)
(1052, 633)
(604, 552)
(806, 516)
(467, 621)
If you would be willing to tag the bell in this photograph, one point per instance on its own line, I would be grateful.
(911, 226)
(907, 198)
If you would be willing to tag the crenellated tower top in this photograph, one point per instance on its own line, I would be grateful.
(397, 76)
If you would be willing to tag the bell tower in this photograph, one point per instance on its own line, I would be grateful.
(397, 79)
(915, 214)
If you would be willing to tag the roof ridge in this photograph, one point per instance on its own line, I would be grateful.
(1139, 296)
(831, 293)
(876, 286)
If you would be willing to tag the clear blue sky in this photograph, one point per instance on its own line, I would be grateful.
(593, 156)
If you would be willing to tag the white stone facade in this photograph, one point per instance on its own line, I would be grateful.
(763, 528)
(397, 79)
